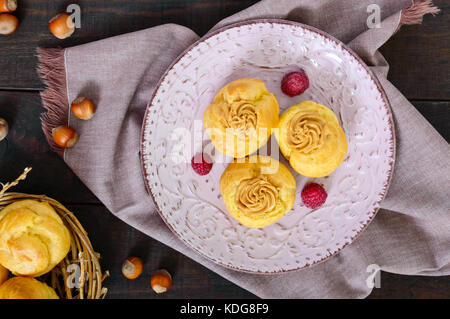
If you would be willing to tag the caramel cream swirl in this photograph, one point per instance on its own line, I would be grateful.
(256, 195)
(305, 132)
(241, 116)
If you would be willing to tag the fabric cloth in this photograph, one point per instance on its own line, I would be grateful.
(410, 234)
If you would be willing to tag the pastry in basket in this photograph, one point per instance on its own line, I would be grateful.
(241, 117)
(33, 238)
(3, 274)
(257, 190)
(26, 288)
(311, 138)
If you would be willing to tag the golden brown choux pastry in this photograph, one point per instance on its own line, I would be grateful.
(3, 274)
(310, 137)
(33, 238)
(258, 191)
(26, 288)
(241, 117)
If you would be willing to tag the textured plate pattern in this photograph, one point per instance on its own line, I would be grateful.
(192, 206)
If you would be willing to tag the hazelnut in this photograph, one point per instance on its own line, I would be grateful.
(8, 5)
(4, 129)
(161, 281)
(65, 136)
(8, 23)
(62, 26)
(83, 108)
(132, 267)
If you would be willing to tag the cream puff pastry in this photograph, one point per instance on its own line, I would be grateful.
(26, 288)
(257, 191)
(241, 117)
(4, 273)
(310, 137)
(33, 238)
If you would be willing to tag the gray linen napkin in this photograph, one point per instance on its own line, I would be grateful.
(409, 235)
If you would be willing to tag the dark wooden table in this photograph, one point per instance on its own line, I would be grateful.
(419, 59)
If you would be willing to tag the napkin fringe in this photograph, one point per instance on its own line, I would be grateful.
(51, 68)
(415, 13)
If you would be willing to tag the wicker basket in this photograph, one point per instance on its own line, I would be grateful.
(84, 279)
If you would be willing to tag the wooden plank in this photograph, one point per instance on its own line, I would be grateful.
(411, 52)
(395, 286)
(437, 113)
(412, 48)
(26, 145)
(99, 19)
(419, 57)
(116, 241)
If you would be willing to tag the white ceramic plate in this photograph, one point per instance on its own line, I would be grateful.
(192, 206)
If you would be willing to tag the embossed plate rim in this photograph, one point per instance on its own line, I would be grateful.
(361, 63)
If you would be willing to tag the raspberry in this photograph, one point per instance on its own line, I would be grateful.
(201, 164)
(295, 83)
(314, 195)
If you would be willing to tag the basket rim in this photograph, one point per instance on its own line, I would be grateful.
(81, 254)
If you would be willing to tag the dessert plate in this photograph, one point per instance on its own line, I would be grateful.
(191, 205)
